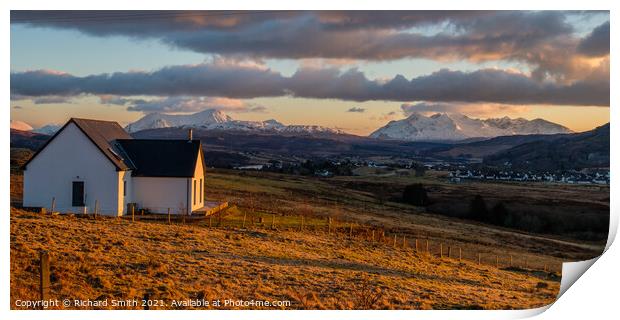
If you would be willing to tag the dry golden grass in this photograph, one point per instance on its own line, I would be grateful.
(109, 258)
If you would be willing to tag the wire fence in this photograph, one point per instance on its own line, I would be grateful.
(218, 217)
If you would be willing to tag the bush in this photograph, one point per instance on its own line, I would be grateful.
(478, 209)
(415, 194)
(501, 216)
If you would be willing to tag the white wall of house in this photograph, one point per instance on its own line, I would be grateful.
(197, 195)
(69, 157)
(125, 191)
(159, 194)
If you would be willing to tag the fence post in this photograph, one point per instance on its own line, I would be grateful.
(395, 240)
(273, 221)
(44, 268)
(510, 263)
(460, 254)
(146, 299)
(53, 204)
(96, 208)
(372, 239)
(244, 216)
(133, 207)
(85, 211)
(329, 225)
(416, 245)
(168, 215)
(449, 252)
(441, 250)
(479, 258)
(496, 261)
(404, 242)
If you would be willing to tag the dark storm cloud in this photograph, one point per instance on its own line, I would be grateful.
(544, 40)
(596, 43)
(197, 80)
(366, 35)
(233, 81)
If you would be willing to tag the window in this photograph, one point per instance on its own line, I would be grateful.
(201, 194)
(78, 194)
(194, 191)
(124, 188)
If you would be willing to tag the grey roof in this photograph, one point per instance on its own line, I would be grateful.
(161, 158)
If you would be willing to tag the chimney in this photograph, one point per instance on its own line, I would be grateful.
(189, 134)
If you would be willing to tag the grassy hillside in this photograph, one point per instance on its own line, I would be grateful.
(110, 258)
(583, 150)
(369, 200)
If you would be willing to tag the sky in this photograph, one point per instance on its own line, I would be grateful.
(353, 70)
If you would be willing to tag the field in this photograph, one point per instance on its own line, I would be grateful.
(116, 259)
(351, 264)
(367, 200)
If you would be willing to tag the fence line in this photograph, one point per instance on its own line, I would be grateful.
(355, 231)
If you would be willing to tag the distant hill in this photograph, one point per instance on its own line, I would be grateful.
(225, 148)
(20, 125)
(455, 126)
(27, 139)
(212, 119)
(249, 147)
(576, 151)
(485, 147)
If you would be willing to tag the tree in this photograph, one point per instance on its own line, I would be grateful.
(419, 168)
(415, 194)
(478, 209)
(501, 216)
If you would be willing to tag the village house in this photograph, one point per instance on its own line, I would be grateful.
(93, 165)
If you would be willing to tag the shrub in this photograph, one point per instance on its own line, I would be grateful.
(415, 194)
(478, 209)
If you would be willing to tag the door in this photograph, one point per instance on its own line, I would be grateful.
(78, 194)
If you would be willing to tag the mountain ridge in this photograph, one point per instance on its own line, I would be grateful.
(213, 119)
(455, 126)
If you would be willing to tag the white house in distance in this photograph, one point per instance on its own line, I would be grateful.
(90, 162)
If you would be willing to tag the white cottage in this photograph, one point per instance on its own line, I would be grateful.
(93, 162)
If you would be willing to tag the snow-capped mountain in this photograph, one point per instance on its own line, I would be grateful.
(20, 125)
(49, 129)
(212, 119)
(454, 126)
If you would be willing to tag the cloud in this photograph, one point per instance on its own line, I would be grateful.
(542, 39)
(211, 79)
(51, 100)
(596, 43)
(110, 99)
(471, 109)
(183, 104)
(386, 116)
(242, 82)
(356, 109)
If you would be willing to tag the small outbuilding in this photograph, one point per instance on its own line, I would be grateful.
(93, 165)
